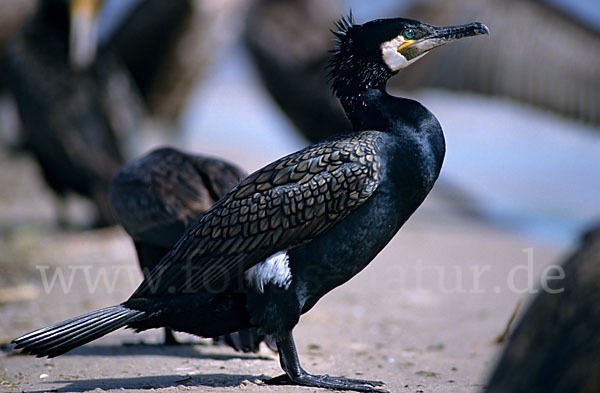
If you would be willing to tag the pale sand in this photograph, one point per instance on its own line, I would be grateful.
(383, 324)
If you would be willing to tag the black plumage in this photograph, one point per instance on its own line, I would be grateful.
(157, 196)
(70, 117)
(556, 346)
(289, 233)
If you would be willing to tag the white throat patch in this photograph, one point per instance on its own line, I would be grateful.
(394, 59)
(273, 270)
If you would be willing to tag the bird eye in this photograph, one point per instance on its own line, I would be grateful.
(409, 34)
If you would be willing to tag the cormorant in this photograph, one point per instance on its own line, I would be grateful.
(72, 106)
(556, 346)
(157, 196)
(289, 233)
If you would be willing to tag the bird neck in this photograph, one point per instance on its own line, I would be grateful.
(364, 108)
(358, 82)
(375, 109)
(413, 132)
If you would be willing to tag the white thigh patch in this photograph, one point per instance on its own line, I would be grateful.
(274, 270)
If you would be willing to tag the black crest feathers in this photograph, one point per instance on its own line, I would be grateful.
(342, 27)
(356, 61)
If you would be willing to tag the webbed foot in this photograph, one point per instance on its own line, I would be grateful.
(295, 374)
(329, 382)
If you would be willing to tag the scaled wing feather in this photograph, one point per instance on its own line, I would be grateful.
(281, 206)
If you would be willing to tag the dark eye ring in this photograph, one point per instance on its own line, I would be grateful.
(409, 34)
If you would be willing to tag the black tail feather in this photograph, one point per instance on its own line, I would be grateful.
(59, 338)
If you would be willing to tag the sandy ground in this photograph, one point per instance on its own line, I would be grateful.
(422, 317)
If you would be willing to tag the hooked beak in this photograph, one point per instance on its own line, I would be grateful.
(440, 36)
(446, 34)
(84, 32)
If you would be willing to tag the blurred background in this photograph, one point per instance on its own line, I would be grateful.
(245, 80)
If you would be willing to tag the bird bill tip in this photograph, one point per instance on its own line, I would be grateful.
(481, 28)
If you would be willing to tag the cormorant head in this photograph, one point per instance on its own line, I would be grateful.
(367, 55)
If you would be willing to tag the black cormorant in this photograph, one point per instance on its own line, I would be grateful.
(72, 106)
(157, 196)
(267, 251)
(556, 346)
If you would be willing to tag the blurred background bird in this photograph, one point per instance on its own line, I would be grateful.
(543, 56)
(157, 196)
(167, 47)
(556, 346)
(72, 104)
(90, 84)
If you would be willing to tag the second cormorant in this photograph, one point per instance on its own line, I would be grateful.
(157, 196)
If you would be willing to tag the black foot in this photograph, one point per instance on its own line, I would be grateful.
(295, 374)
(329, 382)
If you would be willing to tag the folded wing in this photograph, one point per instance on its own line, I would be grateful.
(281, 206)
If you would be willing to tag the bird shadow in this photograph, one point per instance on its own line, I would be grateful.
(144, 349)
(154, 382)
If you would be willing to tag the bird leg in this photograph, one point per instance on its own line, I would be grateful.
(295, 374)
(170, 337)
